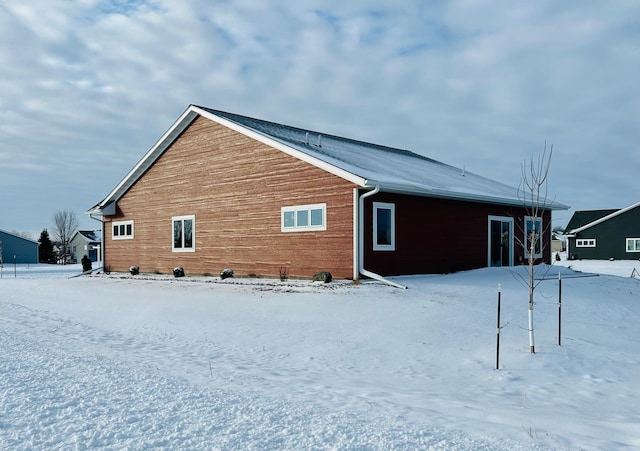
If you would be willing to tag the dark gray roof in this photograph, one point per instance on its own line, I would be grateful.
(91, 236)
(585, 219)
(581, 218)
(365, 164)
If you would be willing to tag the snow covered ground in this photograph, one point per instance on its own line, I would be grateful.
(121, 362)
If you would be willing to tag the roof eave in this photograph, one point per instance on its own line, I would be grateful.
(444, 194)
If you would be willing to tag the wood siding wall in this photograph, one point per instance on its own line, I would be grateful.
(440, 235)
(235, 187)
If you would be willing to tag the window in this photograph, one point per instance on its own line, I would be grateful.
(122, 230)
(586, 243)
(184, 233)
(633, 244)
(384, 227)
(303, 218)
(533, 231)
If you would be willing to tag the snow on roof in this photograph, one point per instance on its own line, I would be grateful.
(393, 169)
(91, 236)
(365, 164)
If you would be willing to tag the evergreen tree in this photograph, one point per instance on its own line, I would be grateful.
(45, 248)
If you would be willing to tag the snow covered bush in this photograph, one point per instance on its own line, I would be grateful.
(323, 276)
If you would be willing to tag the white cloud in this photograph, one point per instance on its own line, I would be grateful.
(474, 83)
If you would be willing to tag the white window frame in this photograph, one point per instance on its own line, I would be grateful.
(636, 244)
(182, 219)
(384, 206)
(526, 240)
(510, 221)
(123, 225)
(585, 242)
(298, 211)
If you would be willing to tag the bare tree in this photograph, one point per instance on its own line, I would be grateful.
(65, 222)
(533, 194)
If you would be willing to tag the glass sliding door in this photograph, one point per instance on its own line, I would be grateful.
(500, 239)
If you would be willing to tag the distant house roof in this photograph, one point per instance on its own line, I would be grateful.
(582, 220)
(90, 236)
(18, 236)
(366, 165)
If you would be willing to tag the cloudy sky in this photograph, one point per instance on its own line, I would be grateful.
(88, 86)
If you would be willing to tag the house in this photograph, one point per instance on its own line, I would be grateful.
(219, 190)
(557, 242)
(86, 242)
(14, 248)
(604, 234)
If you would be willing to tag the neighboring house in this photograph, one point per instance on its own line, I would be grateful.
(219, 190)
(557, 242)
(86, 242)
(604, 234)
(17, 249)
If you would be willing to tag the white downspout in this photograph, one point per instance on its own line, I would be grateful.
(361, 269)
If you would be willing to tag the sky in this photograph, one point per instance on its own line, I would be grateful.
(88, 86)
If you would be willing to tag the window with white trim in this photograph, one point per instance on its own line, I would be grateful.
(533, 231)
(633, 244)
(184, 233)
(384, 226)
(590, 242)
(303, 218)
(122, 230)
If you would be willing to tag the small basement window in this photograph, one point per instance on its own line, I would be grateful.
(586, 243)
(122, 230)
(184, 233)
(303, 218)
(384, 226)
(633, 244)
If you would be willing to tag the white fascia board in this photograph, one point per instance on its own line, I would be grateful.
(443, 194)
(95, 210)
(187, 117)
(605, 218)
(283, 148)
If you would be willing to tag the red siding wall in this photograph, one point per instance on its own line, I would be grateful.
(441, 235)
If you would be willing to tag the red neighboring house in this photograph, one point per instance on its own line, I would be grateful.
(219, 190)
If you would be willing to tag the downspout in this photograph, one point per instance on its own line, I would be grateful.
(361, 269)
